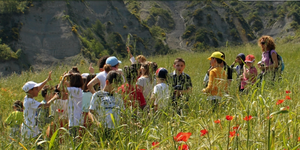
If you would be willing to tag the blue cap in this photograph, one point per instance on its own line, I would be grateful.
(113, 61)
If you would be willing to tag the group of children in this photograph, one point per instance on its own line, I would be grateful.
(85, 99)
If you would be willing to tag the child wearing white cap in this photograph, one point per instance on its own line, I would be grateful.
(29, 127)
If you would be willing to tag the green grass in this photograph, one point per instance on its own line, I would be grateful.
(279, 132)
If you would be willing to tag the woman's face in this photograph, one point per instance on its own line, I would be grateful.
(263, 44)
(213, 62)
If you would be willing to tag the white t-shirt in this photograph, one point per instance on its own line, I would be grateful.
(104, 104)
(147, 86)
(60, 108)
(102, 77)
(86, 99)
(75, 106)
(30, 128)
(161, 92)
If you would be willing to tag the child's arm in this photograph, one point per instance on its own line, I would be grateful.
(132, 60)
(50, 101)
(91, 84)
(45, 81)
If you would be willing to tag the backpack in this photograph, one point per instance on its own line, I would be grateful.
(280, 61)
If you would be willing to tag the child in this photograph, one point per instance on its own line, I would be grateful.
(240, 59)
(217, 83)
(146, 82)
(160, 95)
(29, 128)
(107, 103)
(250, 72)
(140, 58)
(86, 99)
(15, 119)
(181, 83)
(43, 115)
(130, 93)
(73, 82)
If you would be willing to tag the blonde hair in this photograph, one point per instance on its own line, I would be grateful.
(268, 40)
(141, 57)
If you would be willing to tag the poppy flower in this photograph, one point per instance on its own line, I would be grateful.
(182, 136)
(155, 144)
(287, 97)
(287, 107)
(204, 131)
(287, 91)
(247, 118)
(298, 138)
(229, 117)
(233, 133)
(279, 101)
(217, 121)
(183, 147)
(236, 127)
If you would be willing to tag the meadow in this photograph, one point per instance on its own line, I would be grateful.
(258, 122)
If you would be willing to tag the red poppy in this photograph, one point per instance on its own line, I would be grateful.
(287, 107)
(298, 138)
(229, 117)
(183, 147)
(155, 144)
(181, 136)
(287, 92)
(142, 149)
(279, 101)
(247, 118)
(204, 131)
(287, 97)
(217, 121)
(236, 127)
(233, 133)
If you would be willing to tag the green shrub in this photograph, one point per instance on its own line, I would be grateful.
(198, 14)
(7, 54)
(189, 31)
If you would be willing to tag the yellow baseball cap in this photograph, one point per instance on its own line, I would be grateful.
(218, 55)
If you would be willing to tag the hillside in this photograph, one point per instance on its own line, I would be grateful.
(41, 33)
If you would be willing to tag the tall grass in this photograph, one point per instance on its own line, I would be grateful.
(272, 127)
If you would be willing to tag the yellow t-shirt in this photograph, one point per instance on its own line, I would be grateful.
(217, 83)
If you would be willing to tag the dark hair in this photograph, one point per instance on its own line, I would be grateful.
(131, 72)
(45, 90)
(101, 61)
(179, 59)
(75, 80)
(18, 104)
(86, 81)
(219, 61)
(147, 68)
(114, 77)
(107, 68)
(223, 56)
(153, 67)
(74, 70)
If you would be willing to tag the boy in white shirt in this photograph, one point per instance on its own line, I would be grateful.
(29, 128)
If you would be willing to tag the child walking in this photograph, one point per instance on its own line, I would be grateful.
(15, 119)
(250, 73)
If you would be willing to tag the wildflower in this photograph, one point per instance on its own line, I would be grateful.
(183, 147)
(236, 127)
(287, 97)
(269, 117)
(204, 131)
(229, 117)
(287, 91)
(233, 133)
(299, 139)
(287, 107)
(279, 101)
(247, 118)
(182, 136)
(155, 144)
(217, 121)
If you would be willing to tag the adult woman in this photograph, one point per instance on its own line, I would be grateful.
(269, 61)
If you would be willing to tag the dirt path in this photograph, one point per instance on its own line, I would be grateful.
(240, 29)
(174, 39)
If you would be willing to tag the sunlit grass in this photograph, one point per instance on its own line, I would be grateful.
(279, 132)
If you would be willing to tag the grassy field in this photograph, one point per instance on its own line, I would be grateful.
(281, 131)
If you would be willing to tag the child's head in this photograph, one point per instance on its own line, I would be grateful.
(145, 68)
(131, 72)
(31, 88)
(101, 62)
(18, 105)
(250, 59)
(161, 74)
(86, 80)
(141, 59)
(266, 43)
(153, 67)
(113, 62)
(74, 70)
(113, 79)
(216, 58)
(240, 58)
(47, 92)
(179, 65)
(74, 80)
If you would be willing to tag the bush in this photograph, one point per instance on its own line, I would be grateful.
(198, 13)
(189, 31)
(7, 54)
